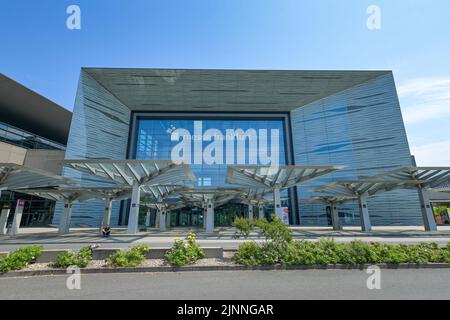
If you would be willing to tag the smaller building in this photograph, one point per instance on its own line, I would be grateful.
(33, 133)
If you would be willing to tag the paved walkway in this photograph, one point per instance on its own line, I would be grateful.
(223, 237)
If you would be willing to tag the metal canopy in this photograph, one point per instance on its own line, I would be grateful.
(159, 195)
(429, 177)
(254, 196)
(443, 188)
(364, 186)
(424, 179)
(333, 199)
(84, 194)
(271, 177)
(113, 193)
(135, 172)
(168, 205)
(197, 197)
(219, 196)
(15, 177)
(161, 192)
(79, 194)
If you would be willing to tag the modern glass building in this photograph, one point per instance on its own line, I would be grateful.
(33, 133)
(211, 119)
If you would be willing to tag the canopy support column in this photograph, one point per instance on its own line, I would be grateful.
(364, 213)
(168, 218)
(158, 216)
(107, 214)
(260, 212)
(17, 217)
(147, 217)
(162, 219)
(64, 224)
(335, 217)
(204, 216)
(277, 203)
(4, 220)
(133, 217)
(210, 216)
(250, 212)
(427, 212)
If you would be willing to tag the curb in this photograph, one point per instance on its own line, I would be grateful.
(49, 255)
(49, 272)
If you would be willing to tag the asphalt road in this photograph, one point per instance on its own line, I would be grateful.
(265, 285)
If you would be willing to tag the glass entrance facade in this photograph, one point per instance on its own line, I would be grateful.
(209, 145)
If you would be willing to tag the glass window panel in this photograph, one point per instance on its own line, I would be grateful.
(162, 139)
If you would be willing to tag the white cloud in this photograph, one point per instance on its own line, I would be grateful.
(425, 99)
(432, 154)
(426, 110)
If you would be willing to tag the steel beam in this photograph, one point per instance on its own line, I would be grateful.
(210, 216)
(427, 212)
(335, 217)
(64, 223)
(4, 220)
(133, 217)
(107, 214)
(277, 203)
(366, 226)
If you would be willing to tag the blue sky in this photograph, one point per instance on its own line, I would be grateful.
(38, 50)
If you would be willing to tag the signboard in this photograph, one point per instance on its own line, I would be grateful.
(21, 203)
(285, 215)
(222, 144)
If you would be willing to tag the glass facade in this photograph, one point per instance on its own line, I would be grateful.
(27, 140)
(163, 139)
(37, 211)
(209, 146)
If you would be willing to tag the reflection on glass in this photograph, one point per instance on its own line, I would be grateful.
(209, 146)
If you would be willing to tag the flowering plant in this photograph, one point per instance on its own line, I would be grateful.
(184, 252)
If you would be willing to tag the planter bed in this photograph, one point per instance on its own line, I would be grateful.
(159, 265)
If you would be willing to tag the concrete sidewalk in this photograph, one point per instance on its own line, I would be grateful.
(222, 237)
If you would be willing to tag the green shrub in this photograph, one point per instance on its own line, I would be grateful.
(184, 252)
(327, 252)
(276, 230)
(248, 254)
(20, 258)
(310, 253)
(79, 259)
(273, 252)
(244, 226)
(276, 249)
(131, 258)
(444, 255)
